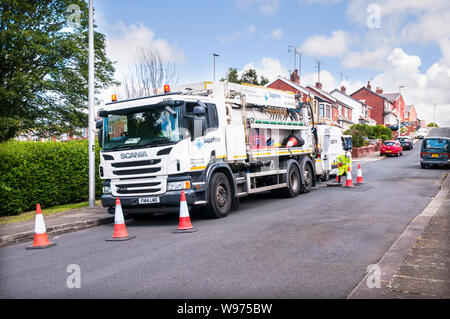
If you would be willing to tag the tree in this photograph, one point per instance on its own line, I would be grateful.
(150, 73)
(432, 125)
(232, 76)
(250, 76)
(44, 66)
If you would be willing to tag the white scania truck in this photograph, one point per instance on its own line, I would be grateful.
(217, 142)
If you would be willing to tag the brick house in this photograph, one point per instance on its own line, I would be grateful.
(360, 112)
(382, 108)
(399, 103)
(293, 85)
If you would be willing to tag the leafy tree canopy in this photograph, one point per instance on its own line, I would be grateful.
(44, 66)
(250, 76)
(432, 125)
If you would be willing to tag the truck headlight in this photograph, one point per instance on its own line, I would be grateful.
(107, 189)
(175, 186)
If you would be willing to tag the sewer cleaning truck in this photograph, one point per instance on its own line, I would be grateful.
(217, 142)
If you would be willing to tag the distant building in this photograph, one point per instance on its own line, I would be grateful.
(360, 110)
(382, 111)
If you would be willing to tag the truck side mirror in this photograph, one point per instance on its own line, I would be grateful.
(100, 138)
(199, 110)
(99, 126)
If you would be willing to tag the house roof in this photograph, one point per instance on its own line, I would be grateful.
(392, 96)
(322, 94)
(339, 91)
(294, 85)
(374, 93)
(408, 108)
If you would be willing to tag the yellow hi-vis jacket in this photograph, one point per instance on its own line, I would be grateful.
(345, 161)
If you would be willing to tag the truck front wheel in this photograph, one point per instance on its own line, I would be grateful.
(220, 197)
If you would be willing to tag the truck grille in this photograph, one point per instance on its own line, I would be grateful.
(137, 171)
(133, 187)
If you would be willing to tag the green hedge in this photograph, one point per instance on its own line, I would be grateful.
(48, 173)
(359, 131)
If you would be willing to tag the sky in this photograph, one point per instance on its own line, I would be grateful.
(391, 43)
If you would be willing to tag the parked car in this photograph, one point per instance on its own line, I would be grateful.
(406, 142)
(422, 133)
(391, 148)
(435, 151)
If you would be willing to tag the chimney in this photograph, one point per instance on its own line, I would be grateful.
(369, 86)
(379, 90)
(295, 77)
(319, 85)
(343, 90)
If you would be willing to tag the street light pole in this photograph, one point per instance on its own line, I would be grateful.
(91, 127)
(214, 76)
(400, 113)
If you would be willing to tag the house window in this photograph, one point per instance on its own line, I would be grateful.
(321, 113)
(340, 110)
(328, 111)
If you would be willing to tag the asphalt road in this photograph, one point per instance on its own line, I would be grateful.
(317, 245)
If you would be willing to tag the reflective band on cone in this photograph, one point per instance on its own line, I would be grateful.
(120, 231)
(40, 233)
(359, 177)
(184, 225)
(349, 181)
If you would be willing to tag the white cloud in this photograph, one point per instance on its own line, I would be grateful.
(266, 7)
(237, 35)
(123, 43)
(373, 60)
(277, 34)
(333, 46)
(270, 68)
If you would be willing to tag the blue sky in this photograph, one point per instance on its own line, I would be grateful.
(411, 47)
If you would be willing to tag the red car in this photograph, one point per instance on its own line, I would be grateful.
(391, 148)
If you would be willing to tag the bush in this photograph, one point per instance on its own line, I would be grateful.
(359, 131)
(385, 138)
(49, 173)
(432, 125)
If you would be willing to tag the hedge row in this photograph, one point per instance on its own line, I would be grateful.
(49, 173)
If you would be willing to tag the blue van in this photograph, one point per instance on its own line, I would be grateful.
(435, 151)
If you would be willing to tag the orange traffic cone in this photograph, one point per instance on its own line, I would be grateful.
(120, 231)
(359, 177)
(184, 225)
(40, 233)
(349, 181)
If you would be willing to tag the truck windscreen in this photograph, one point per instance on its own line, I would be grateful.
(153, 126)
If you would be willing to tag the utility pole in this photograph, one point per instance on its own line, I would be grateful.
(435, 115)
(214, 76)
(91, 127)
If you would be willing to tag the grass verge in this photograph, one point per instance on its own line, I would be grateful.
(47, 211)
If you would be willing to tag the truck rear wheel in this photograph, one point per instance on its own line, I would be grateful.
(307, 179)
(220, 197)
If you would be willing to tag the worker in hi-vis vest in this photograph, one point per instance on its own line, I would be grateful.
(344, 161)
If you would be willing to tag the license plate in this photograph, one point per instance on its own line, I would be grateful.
(149, 200)
(435, 155)
(388, 151)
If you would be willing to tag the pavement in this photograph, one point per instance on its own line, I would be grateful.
(317, 245)
(425, 273)
(65, 222)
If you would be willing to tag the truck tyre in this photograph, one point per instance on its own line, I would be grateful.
(293, 182)
(220, 197)
(307, 179)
